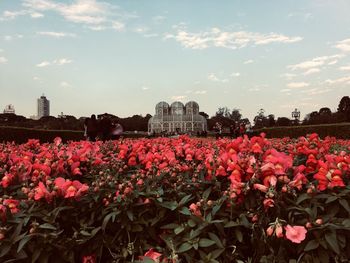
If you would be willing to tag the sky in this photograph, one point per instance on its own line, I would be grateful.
(123, 57)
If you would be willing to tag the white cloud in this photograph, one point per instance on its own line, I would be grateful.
(158, 19)
(178, 98)
(36, 78)
(1, 50)
(344, 68)
(62, 61)
(342, 80)
(10, 38)
(303, 15)
(65, 84)
(118, 26)
(3, 60)
(55, 34)
(36, 15)
(235, 74)
(200, 92)
(97, 28)
(250, 61)
(343, 45)
(254, 89)
(296, 85)
(43, 64)
(333, 62)
(316, 91)
(311, 71)
(145, 88)
(226, 39)
(141, 29)
(285, 90)
(58, 62)
(315, 62)
(288, 76)
(213, 77)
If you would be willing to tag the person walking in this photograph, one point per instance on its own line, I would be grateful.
(91, 128)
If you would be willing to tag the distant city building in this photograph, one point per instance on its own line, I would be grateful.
(9, 109)
(43, 107)
(177, 118)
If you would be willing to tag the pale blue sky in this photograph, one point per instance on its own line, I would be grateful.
(123, 57)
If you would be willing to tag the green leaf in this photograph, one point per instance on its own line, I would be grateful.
(185, 211)
(47, 226)
(232, 224)
(331, 199)
(205, 242)
(302, 198)
(332, 241)
(311, 245)
(85, 233)
(206, 193)
(184, 247)
(23, 242)
(185, 199)
(4, 249)
(107, 218)
(345, 204)
(216, 253)
(216, 208)
(216, 239)
(36, 255)
(192, 223)
(130, 215)
(239, 235)
(169, 226)
(137, 228)
(178, 230)
(170, 205)
(323, 255)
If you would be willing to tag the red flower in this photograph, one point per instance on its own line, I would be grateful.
(89, 259)
(152, 254)
(296, 234)
(12, 204)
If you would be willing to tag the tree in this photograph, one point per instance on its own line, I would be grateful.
(283, 121)
(223, 112)
(271, 120)
(205, 115)
(235, 115)
(344, 104)
(260, 120)
(325, 111)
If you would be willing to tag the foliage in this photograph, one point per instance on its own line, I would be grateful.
(176, 200)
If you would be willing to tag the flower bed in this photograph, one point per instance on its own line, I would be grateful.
(176, 200)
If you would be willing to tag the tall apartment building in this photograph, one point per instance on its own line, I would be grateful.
(43, 107)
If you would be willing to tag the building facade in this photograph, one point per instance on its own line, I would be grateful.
(177, 118)
(43, 107)
(9, 109)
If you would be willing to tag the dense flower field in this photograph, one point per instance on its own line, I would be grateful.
(176, 200)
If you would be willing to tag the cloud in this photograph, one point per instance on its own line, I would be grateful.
(145, 88)
(10, 38)
(303, 15)
(179, 98)
(36, 78)
(225, 39)
(311, 71)
(95, 15)
(250, 61)
(36, 15)
(43, 64)
(343, 45)
(288, 76)
(315, 62)
(200, 92)
(285, 90)
(316, 91)
(1, 50)
(342, 80)
(3, 60)
(118, 26)
(55, 34)
(213, 77)
(158, 19)
(344, 68)
(58, 62)
(235, 74)
(65, 84)
(10, 15)
(297, 85)
(62, 61)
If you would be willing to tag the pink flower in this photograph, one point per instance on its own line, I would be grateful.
(296, 234)
(152, 254)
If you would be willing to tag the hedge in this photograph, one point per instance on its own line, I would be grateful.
(340, 131)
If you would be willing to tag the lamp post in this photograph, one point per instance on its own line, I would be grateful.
(296, 116)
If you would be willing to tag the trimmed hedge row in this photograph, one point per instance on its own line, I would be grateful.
(21, 135)
(340, 131)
